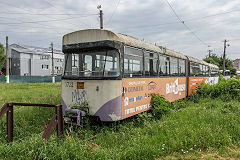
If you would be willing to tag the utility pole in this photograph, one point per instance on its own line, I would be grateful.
(101, 16)
(224, 55)
(7, 62)
(53, 77)
(209, 53)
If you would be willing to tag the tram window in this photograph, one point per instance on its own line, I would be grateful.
(155, 64)
(195, 69)
(214, 72)
(205, 70)
(201, 70)
(163, 65)
(87, 65)
(93, 64)
(182, 70)
(133, 62)
(151, 63)
(75, 64)
(68, 68)
(173, 66)
(133, 66)
(147, 63)
(133, 51)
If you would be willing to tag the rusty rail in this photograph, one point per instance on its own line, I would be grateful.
(57, 119)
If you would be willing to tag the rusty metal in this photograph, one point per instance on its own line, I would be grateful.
(47, 133)
(10, 122)
(3, 110)
(34, 104)
(60, 120)
(57, 120)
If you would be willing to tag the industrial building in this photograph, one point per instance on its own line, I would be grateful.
(34, 61)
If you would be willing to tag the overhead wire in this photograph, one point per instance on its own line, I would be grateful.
(36, 22)
(113, 12)
(187, 20)
(61, 11)
(42, 21)
(181, 21)
(26, 10)
(55, 14)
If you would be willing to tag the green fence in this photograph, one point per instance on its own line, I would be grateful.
(30, 79)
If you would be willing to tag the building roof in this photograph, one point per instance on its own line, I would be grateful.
(33, 50)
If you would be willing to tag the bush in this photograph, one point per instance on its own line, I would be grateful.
(160, 105)
(225, 89)
(179, 104)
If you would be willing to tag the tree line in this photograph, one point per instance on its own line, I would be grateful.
(218, 60)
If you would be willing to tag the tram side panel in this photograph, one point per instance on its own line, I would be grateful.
(137, 92)
(213, 80)
(194, 82)
(103, 97)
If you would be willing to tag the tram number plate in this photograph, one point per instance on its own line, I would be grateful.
(69, 84)
(80, 85)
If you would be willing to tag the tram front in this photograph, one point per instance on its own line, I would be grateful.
(92, 75)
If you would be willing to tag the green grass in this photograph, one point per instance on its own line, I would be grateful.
(208, 129)
(28, 120)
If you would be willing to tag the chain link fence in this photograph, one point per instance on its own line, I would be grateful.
(29, 79)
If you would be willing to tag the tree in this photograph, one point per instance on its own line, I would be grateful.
(2, 56)
(213, 59)
(217, 60)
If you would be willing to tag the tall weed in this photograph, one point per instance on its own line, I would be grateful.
(225, 89)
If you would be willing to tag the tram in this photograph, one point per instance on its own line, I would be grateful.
(116, 74)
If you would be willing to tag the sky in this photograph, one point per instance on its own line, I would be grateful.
(191, 27)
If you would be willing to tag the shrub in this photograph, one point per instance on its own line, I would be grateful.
(179, 104)
(160, 105)
(225, 89)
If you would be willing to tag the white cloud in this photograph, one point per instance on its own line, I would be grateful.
(152, 20)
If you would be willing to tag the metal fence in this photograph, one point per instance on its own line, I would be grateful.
(30, 79)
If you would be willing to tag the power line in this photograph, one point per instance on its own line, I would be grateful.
(190, 19)
(212, 15)
(42, 21)
(113, 12)
(181, 21)
(18, 13)
(234, 39)
(26, 10)
(61, 11)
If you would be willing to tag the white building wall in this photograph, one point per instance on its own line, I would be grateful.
(25, 62)
(32, 61)
(38, 69)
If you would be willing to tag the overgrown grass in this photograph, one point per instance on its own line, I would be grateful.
(185, 129)
(225, 90)
(28, 120)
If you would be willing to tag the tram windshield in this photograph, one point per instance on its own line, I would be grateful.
(103, 63)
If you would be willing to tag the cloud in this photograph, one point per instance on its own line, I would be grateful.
(41, 22)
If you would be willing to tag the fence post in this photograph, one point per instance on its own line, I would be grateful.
(10, 121)
(59, 120)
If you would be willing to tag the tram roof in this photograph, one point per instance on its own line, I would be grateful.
(175, 54)
(192, 59)
(94, 35)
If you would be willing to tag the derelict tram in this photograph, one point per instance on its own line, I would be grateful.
(116, 74)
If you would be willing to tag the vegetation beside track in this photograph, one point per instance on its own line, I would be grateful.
(205, 125)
